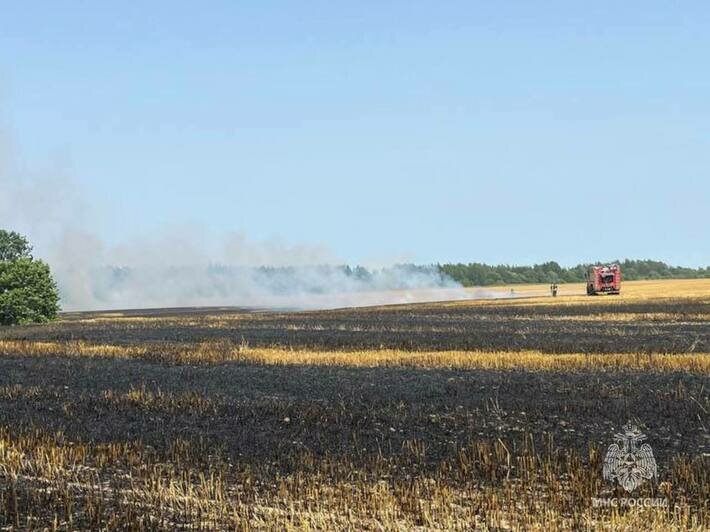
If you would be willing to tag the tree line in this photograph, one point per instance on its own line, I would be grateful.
(477, 274)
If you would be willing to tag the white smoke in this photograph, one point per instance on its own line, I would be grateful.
(177, 267)
(307, 287)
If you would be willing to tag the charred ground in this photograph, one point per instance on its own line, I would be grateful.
(666, 325)
(226, 418)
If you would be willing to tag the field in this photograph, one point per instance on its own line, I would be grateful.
(482, 414)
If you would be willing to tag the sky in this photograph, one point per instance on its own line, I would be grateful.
(513, 132)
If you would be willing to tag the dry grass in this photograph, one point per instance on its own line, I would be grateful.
(630, 290)
(130, 486)
(224, 352)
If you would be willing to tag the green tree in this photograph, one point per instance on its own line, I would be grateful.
(28, 294)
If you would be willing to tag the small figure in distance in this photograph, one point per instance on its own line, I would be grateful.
(553, 289)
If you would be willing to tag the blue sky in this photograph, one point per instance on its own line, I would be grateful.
(455, 131)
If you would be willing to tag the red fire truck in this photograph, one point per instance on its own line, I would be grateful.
(604, 280)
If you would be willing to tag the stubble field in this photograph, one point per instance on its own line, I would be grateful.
(471, 414)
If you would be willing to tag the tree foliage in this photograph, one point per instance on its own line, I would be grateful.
(27, 291)
(13, 246)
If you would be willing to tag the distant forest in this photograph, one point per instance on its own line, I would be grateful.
(475, 274)
(315, 279)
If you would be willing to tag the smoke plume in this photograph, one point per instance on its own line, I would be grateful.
(178, 268)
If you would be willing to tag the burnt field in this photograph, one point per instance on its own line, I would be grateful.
(667, 325)
(489, 415)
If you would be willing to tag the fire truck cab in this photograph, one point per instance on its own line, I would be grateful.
(604, 280)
